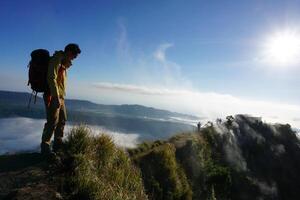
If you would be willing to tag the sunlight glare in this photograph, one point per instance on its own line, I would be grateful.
(283, 48)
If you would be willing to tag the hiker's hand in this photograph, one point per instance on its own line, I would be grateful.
(56, 102)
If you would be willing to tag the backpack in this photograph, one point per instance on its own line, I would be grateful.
(37, 74)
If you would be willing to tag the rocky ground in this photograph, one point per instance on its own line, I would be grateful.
(28, 176)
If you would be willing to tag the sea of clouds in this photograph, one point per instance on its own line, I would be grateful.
(209, 105)
(24, 134)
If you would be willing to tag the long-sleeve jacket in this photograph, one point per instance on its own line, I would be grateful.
(56, 76)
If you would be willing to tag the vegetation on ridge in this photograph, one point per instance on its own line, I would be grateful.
(100, 170)
(182, 168)
(241, 158)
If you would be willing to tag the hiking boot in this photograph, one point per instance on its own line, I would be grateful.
(45, 149)
(55, 162)
(58, 146)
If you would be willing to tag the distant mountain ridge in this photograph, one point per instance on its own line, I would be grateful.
(149, 122)
(22, 98)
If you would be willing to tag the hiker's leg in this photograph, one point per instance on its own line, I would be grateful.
(52, 120)
(59, 131)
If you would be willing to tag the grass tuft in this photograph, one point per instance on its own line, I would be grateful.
(100, 169)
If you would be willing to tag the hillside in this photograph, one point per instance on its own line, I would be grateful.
(238, 158)
(148, 122)
(22, 98)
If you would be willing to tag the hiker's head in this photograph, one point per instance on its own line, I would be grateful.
(72, 51)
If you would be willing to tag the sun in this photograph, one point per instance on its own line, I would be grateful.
(283, 48)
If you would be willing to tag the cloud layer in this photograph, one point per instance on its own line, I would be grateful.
(204, 104)
(24, 134)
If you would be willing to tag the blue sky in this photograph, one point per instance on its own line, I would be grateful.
(133, 51)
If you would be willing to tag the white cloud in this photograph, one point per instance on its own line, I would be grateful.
(170, 72)
(204, 104)
(19, 134)
(24, 134)
(160, 53)
(266, 188)
(128, 140)
(135, 89)
(123, 45)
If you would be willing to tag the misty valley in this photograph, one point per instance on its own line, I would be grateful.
(144, 122)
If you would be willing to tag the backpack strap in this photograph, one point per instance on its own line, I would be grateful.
(35, 97)
(28, 83)
(32, 94)
(28, 106)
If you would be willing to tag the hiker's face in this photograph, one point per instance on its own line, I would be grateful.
(71, 56)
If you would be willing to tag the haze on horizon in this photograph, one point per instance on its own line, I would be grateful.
(207, 58)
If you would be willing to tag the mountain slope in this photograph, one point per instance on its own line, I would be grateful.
(239, 158)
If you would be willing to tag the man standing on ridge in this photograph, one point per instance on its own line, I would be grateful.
(54, 98)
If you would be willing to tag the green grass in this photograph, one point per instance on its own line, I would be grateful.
(184, 167)
(100, 169)
(163, 177)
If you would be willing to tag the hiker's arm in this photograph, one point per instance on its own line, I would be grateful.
(52, 76)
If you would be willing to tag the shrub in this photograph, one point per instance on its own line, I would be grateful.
(163, 177)
(78, 140)
(100, 169)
